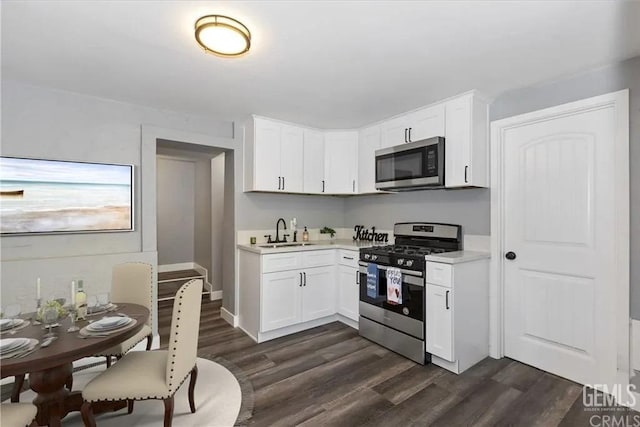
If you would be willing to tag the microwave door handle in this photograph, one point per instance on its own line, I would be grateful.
(409, 134)
(405, 135)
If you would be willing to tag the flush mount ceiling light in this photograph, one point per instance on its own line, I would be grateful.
(222, 36)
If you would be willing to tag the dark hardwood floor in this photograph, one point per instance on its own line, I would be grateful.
(331, 376)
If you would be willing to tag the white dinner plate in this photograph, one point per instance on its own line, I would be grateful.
(109, 323)
(12, 344)
(6, 324)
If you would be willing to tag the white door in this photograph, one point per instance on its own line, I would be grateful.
(313, 162)
(318, 293)
(291, 159)
(267, 156)
(426, 123)
(280, 300)
(348, 291)
(560, 219)
(368, 143)
(439, 321)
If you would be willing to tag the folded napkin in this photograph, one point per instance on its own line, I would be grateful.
(394, 286)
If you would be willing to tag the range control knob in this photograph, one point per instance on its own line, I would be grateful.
(409, 263)
(401, 261)
(367, 256)
(374, 257)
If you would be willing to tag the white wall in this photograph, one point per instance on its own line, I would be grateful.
(176, 210)
(47, 123)
(202, 214)
(217, 219)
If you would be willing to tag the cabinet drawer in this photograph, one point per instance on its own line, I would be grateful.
(439, 274)
(318, 258)
(281, 262)
(349, 258)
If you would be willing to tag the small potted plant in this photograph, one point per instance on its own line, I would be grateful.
(327, 230)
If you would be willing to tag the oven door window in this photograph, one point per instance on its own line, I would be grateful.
(412, 297)
(410, 164)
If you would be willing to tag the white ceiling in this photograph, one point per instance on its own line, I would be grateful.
(327, 64)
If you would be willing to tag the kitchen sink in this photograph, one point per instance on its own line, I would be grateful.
(284, 245)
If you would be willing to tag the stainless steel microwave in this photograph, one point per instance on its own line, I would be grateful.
(413, 166)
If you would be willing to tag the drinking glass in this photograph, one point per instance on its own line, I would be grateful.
(11, 311)
(92, 304)
(49, 317)
(104, 300)
(73, 315)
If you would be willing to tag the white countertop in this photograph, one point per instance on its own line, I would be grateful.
(458, 257)
(314, 245)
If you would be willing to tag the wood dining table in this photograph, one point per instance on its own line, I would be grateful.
(51, 368)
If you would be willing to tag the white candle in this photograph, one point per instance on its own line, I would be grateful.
(73, 292)
(38, 288)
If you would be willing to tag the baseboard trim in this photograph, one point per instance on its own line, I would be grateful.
(216, 295)
(349, 322)
(228, 317)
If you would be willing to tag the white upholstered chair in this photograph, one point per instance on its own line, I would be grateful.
(17, 414)
(132, 282)
(142, 375)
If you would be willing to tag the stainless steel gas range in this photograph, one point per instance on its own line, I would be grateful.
(392, 312)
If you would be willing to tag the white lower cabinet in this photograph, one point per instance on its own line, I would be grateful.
(281, 300)
(318, 293)
(439, 322)
(457, 313)
(348, 291)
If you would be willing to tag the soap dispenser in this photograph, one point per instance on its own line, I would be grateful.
(305, 234)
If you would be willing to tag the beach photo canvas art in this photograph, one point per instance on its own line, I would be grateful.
(51, 196)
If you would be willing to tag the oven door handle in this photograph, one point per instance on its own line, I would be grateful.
(384, 267)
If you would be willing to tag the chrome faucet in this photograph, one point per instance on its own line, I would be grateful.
(284, 224)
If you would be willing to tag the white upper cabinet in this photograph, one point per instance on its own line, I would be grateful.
(291, 159)
(426, 123)
(341, 162)
(273, 156)
(313, 168)
(368, 143)
(414, 126)
(466, 143)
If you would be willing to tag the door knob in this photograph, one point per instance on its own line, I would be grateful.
(510, 256)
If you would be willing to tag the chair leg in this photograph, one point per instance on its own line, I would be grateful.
(108, 362)
(17, 388)
(87, 415)
(130, 406)
(192, 388)
(69, 383)
(168, 411)
(149, 341)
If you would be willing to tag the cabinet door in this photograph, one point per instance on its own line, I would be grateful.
(280, 300)
(368, 143)
(348, 291)
(457, 156)
(426, 123)
(313, 168)
(318, 293)
(341, 157)
(291, 159)
(439, 322)
(266, 162)
(394, 132)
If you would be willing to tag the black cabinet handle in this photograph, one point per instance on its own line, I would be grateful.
(409, 134)
(283, 182)
(354, 186)
(510, 256)
(300, 280)
(323, 185)
(357, 277)
(405, 135)
(279, 183)
(305, 279)
(347, 257)
(466, 169)
(447, 299)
